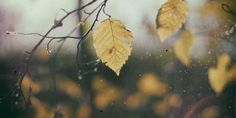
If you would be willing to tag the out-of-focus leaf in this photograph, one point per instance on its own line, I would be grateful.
(171, 17)
(151, 29)
(221, 75)
(28, 82)
(174, 100)
(112, 42)
(42, 54)
(161, 108)
(41, 109)
(183, 46)
(170, 101)
(84, 111)
(210, 112)
(135, 100)
(105, 92)
(150, 84)
(69, 87)
(214, 9)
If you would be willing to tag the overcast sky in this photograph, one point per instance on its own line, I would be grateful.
(38, 16)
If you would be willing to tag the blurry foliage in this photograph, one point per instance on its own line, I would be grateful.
(222, 74)
(210, 112)
(149, 84)
(183, 46)
(105, 92)
(171, 17)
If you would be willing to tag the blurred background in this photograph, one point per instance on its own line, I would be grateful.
(155, 82)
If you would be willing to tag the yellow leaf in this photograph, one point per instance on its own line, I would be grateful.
(150, 84)
(106, 93)
(112, 42)
(29, 83)
(221, 75)
(135, 100)
(170, 18)
(210, 112)
(183, 46)
(84, 111)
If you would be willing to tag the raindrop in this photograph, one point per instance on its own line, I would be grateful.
(199, 94)
(80, 77)
(95, 69)
(139, 75)
(209, 52)
(98, 60)
(79, 24)
(231, 31)
(16, 103)
(17, 94)
(227, 32)
(7, 32)
(49, 52)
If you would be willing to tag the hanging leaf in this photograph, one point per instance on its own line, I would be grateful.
(183, 46)
(221, 75)
(170, 18)
(112, 42)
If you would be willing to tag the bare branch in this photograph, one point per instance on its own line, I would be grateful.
(43, 37)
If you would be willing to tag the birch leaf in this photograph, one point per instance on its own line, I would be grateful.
(183, 46)
(112, 42)
(170, 18)
(221, 75)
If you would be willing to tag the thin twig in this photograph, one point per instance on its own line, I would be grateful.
(89, 30)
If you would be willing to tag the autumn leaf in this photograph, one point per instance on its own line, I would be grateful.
(221, 75)
(170, 18)
(106, 93)
(28, 83)
(112, 42)
(150, 84)
(183, 46)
